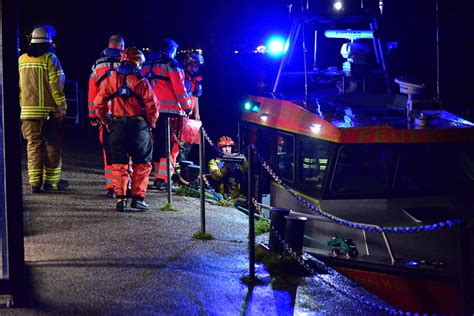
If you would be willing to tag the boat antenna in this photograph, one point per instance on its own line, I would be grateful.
(437, 50)
(304, 52)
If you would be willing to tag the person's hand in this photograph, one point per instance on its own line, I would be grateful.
(94, 122)
(62, 113)
(197, 117)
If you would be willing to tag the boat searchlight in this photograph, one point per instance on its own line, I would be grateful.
(264, 117)
(316, 128)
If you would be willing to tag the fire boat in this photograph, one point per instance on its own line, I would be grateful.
(384, 177)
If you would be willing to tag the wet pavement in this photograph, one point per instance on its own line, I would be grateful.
(84, 258)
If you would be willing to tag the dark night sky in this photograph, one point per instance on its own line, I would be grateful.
(84, 26)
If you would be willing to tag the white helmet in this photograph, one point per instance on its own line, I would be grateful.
(43, 34)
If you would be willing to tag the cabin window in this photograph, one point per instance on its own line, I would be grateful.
(314, 155)
(433, 169)
(286, 157)
(361, 169)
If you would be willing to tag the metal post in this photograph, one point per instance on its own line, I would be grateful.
(382, 58)
(201, 181)
(277, 228)
(437, 51)
(294, 232)
(251, 214)
(295, 28)
(376, 49)
(304, 56)
(315, 56)
(168, 158)
(464, 269)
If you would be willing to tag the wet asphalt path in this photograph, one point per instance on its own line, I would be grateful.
(84, 258)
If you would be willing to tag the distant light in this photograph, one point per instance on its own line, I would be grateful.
(338, 5)
(412, 263)
(262, 49)
(236, 51)
(248, 105)
(316, 128)
(264, 117)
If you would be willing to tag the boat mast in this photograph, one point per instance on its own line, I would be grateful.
(437, 50)
(304, 51)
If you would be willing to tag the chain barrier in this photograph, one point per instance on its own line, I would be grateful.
(299, 257)
(387, 229)
(209, 140)
(216, 195)
(300, 260)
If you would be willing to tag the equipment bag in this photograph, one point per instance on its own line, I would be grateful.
(185, 130)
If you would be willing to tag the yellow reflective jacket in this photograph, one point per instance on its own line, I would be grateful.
(41, 86)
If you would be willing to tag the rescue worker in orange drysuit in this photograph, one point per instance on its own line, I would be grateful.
(102, 68)
(167, 80)
(133, 111)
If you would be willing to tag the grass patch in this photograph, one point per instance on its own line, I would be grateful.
(203, 236)
(277, 264)
(268, 258)
(261, 227)
(169, 207)
(184, 191)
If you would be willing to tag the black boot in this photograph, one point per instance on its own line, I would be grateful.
(121, 206)
(140, 205)
(110, 194)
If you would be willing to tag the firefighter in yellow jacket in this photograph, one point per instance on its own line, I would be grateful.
(43, 106)
(227, 176)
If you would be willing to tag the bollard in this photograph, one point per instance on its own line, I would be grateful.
(183, 165)
(277, 223)
(192, 173)
(294, 232)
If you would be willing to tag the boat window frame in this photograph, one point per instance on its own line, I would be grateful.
(395, 173)
(293, 153)
(303, 185)
(355, 194)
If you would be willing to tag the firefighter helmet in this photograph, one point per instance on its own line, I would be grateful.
(195, 59)
(225, 141)
(134, 56)
(42, 34)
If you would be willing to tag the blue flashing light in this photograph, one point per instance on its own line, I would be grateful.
(412, 263)
(277, 46)
(255, 108)
(248, 105)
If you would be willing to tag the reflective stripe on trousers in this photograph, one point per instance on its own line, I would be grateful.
(44, 158)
